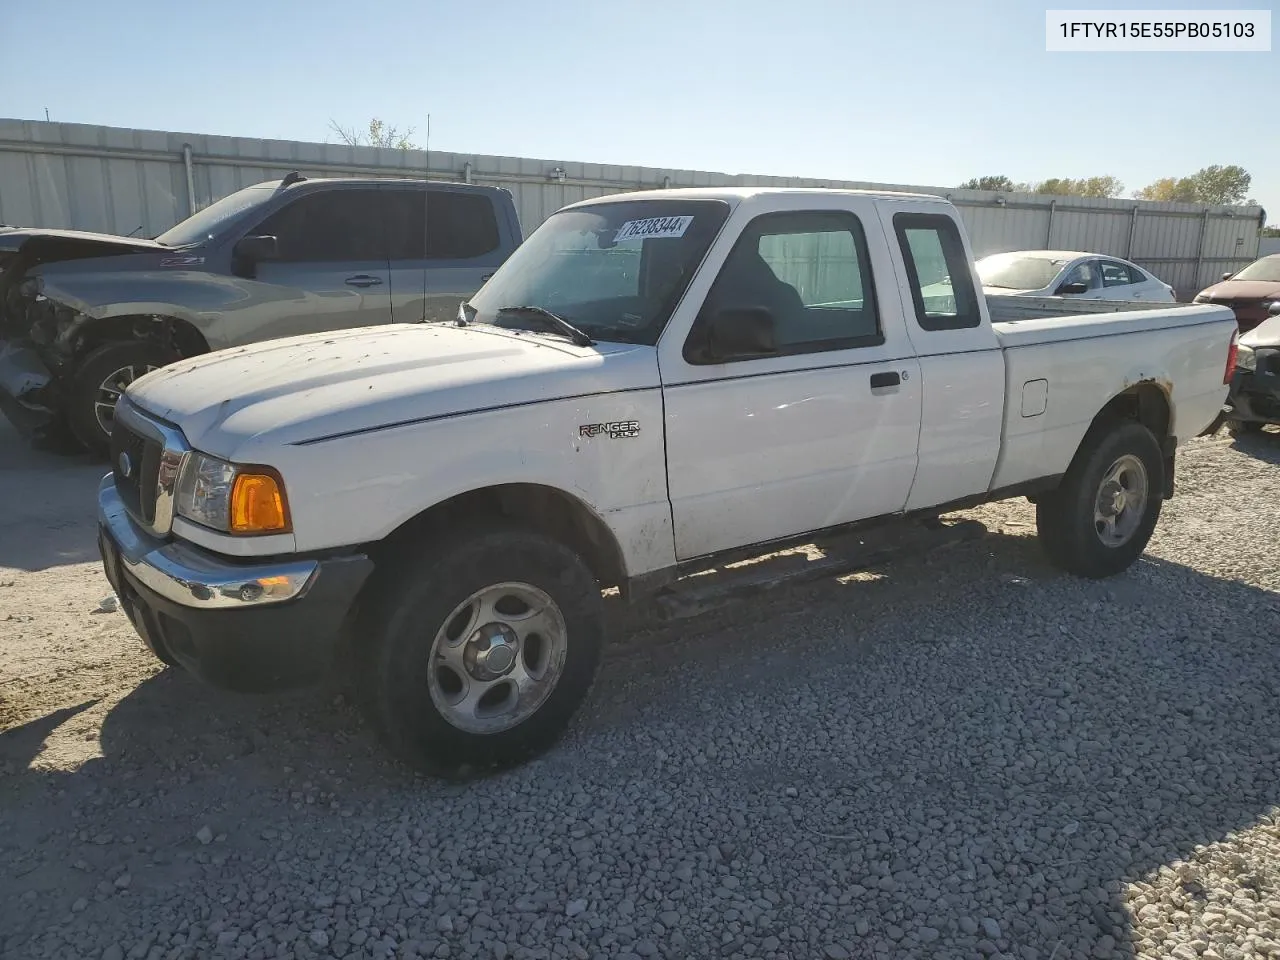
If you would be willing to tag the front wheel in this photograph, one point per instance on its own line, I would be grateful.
(1101, 517)
(481, 651)
(101, 380)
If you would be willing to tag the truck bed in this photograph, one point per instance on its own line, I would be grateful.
(1012, 309)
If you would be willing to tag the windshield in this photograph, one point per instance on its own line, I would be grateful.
(1017, 271)
(203, 224)
(613, 270)
(1268, 268)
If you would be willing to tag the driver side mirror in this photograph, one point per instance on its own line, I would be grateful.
(256, 248)
(1274, 309)
(1227, 276)
(1070, 288)
(738, 333)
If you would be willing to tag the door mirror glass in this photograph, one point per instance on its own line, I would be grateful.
(256, 248)
(737, 333)
(1073, 288)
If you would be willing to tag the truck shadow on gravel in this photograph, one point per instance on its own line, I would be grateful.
(964, 738)
(1263, 446)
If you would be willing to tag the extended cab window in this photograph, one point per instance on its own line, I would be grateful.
(810, 271)
(937, 271)
(327, 226)
(440, 225)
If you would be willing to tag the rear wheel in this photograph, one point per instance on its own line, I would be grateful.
(1101, 517)
(99, 383)
(481, 651)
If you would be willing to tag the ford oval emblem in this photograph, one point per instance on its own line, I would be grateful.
(126, 465)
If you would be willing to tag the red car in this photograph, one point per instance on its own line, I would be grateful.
(1250, 293)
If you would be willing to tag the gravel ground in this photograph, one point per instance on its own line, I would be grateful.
(961, 755)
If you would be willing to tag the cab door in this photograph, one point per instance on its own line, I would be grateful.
(821, 431)
(331, 272)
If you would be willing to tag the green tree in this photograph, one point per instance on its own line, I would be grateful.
(1213, 184)
(378, 134)
(1086, 187)
(1000, 182)
(1271, 230)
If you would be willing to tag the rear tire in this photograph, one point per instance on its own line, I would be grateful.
(1101, 517)
(481, 650)
(100, 381)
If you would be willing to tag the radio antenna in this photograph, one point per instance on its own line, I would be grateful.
(426, 230)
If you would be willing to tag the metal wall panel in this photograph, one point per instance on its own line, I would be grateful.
(134, 181)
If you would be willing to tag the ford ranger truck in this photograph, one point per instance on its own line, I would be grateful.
(651, 384)
(82, 315)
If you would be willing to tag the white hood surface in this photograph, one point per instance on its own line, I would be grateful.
(320, 385)
(1265, 334)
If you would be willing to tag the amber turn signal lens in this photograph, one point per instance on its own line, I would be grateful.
(257, 505)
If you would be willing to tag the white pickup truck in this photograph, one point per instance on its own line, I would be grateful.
(651, 383)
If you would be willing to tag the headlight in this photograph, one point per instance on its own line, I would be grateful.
(232, 498)
(1246, 359)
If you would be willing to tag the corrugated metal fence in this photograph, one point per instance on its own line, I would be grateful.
(141, 182)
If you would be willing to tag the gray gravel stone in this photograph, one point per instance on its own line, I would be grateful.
(973, 756)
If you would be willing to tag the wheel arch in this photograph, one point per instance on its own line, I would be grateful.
(1146, 402)
(541, 507)
(181, 334)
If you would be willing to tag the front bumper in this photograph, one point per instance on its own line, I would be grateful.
(240, 626)
(27, 390)
(1254, 396)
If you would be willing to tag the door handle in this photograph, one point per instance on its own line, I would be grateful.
(362, 280)
(890, 379)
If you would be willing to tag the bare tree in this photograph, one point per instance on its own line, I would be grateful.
(378, 134)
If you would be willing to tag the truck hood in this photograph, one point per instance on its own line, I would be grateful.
(240, 403)
(1265, 334)
(1243, 290)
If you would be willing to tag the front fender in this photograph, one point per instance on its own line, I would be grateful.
(195, 297)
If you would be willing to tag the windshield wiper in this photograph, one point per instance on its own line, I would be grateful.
(560, 323)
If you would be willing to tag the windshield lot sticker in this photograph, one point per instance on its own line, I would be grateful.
(652, 228)
(617, 430)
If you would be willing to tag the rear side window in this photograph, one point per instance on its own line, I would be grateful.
(327, 226)
(440, 225)
(1136, 275)
(1116, 274)
(937, 271)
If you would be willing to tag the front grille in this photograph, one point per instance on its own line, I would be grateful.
(135, 465)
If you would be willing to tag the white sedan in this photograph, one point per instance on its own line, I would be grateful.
(1069, 273)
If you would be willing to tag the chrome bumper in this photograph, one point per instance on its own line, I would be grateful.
(193, 577)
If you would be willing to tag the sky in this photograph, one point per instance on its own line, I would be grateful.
(927, 92)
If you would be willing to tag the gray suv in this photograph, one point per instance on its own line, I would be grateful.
(84, 314)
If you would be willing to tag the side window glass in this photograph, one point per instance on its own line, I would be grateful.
(1081, 273)
(811, 272)
(1135, 275)
(439, 225)
(328, 226)
(937, 271)
(1115, 274)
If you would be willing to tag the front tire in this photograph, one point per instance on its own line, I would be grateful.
(481, 651)
(101, 379)
(1101, 517)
